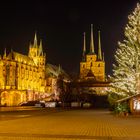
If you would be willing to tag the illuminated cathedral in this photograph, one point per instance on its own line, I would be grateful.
(92, 66)
(22, 77)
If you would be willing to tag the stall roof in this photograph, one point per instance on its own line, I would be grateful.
(127, 98)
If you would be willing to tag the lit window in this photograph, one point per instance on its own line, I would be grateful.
(136, 104)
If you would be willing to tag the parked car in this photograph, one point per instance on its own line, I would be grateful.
(86, 105)
(33, 103)
(50, 104)
(75, 104)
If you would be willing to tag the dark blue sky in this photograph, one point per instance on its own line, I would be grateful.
(61, 25)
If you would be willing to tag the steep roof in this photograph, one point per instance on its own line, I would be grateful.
(127, 98)
(20, 58)
(53, 70)
(90, 74)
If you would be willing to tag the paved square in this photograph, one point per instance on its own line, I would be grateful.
(68, 125)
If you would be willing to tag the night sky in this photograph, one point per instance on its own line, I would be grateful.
(61, 25)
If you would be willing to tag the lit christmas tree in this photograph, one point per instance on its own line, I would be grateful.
(126, 71)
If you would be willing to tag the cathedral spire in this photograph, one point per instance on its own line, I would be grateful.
(11, 50)
(35, 39)
(84, 47)
(99, 47)
(92, 40)
(40, 48)
(59, 70)
(103, 57)
(4, 56)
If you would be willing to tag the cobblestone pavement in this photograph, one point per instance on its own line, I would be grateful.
(71, 125)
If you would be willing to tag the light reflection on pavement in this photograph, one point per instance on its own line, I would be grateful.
(10, 113)
(18, 108)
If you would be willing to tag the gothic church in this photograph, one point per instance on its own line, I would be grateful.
(92, 66)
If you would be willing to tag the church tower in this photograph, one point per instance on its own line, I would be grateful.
(92, 66)
(100, 61)
(33, 48)
(36, 52)
(83, 62)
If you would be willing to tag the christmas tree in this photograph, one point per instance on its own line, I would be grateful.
(126, 70)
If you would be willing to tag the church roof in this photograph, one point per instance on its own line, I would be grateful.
(53, 70)
(90, 74)
(127, 98)
(20, 58)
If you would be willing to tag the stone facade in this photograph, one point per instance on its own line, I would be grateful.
(22, 77)
(92, 66)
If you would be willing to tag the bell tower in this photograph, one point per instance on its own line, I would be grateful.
(92, 65)
(83, 62)
(36, 52)
(33, 48)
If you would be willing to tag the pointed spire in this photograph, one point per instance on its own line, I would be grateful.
(99, 47)
(84, 47)
(92, 40)
(59, 70)
(4, 56)
(30, 45)
(12, 54)
(45, 55)
(35, 39)
(40, 48)
(103, 57)
(11, 50)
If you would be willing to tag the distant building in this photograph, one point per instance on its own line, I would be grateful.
(52, 76)
(92, 78)
(92, 66)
